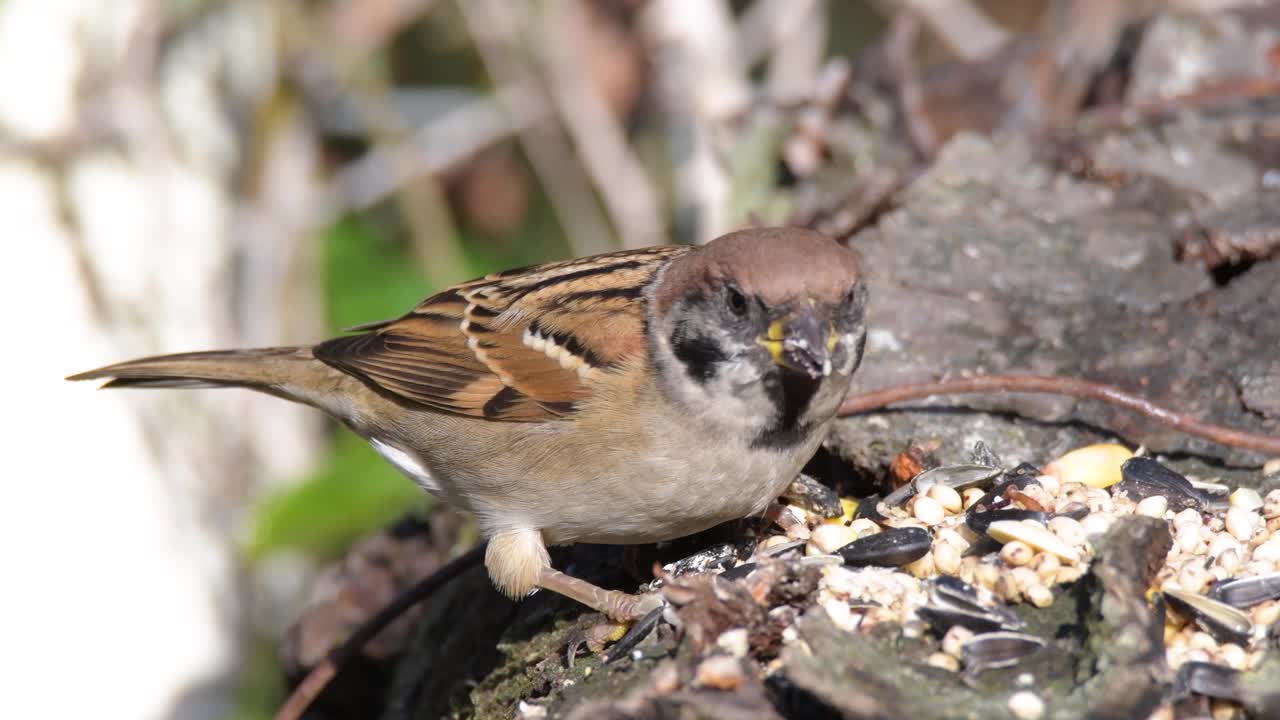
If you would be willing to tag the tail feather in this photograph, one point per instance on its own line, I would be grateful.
(261, 369)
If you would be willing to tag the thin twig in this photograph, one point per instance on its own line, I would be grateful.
(319, 677)
(495, 29)
(704, 86)
(899, 51)
(1074, 387)
(450, 138)
(794, 33)
(961, 25)
(617, 173)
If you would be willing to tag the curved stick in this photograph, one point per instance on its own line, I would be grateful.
(1074, 387)
(318, 677)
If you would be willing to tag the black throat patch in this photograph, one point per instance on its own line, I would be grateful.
(791, 393)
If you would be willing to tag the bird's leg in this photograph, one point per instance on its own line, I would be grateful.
(615, 605)
(518, 562)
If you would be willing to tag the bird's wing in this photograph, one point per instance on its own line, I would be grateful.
(519, 345)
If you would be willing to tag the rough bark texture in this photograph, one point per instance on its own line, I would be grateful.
(995, 260)
(1135, 252)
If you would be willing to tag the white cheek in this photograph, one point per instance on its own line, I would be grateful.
(850, 343)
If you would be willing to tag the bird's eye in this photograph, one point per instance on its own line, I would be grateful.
(737, 301)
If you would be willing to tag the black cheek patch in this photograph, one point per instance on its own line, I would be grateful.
(698, 353)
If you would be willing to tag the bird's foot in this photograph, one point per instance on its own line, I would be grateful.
(624, 636)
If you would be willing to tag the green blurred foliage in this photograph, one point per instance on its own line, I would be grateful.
(353, 492)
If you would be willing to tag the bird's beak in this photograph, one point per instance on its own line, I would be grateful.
(802, 342)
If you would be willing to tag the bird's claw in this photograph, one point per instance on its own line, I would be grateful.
(624, 633)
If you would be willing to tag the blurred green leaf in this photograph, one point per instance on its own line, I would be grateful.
(354, 491)
(262, 685)
(368, 276)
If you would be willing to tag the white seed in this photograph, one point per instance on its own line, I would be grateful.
(947, 497)
(1240, 523)
(735, 642)
(1246, 499)
(986, 575)
(1271, 467)
(774, 541)
(842, 581)
(864, 527)
(1040, 596)
(946, 558)
(922, 568)
(1187, 538)
(1050, 483)
(971, 496)
(1268, 551)
(1221, 544)
(1073, 492)
(1006, 589)
(1198, 656)
(927, 510)
(1153, 507)
(1194, 577)
(1069, 530)
(1189, 516)
(841, 615)
(1024, 578)
(1096, 524)
(953, 538)
(1026, 705)
(829, 538)
(1232, 655)
(1229, 561)
(944, 661)
(1271, 505)
(1046, 565)
(955, 639)
(1038, 494)
(1016, 553)
(1202, 641)
(1265, 614)
(1037, 537)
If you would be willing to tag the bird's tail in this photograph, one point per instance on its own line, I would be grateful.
(267, 369)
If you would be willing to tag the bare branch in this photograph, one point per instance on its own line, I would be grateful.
(962, 26)
(449, 139)
(494, 29)
(616, 171)
(703, 82)
(794, 32)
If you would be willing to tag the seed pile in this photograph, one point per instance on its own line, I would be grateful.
(950, 552)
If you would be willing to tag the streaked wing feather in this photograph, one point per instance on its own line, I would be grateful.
(518, 345)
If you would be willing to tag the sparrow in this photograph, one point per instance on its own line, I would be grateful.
(625, 398)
